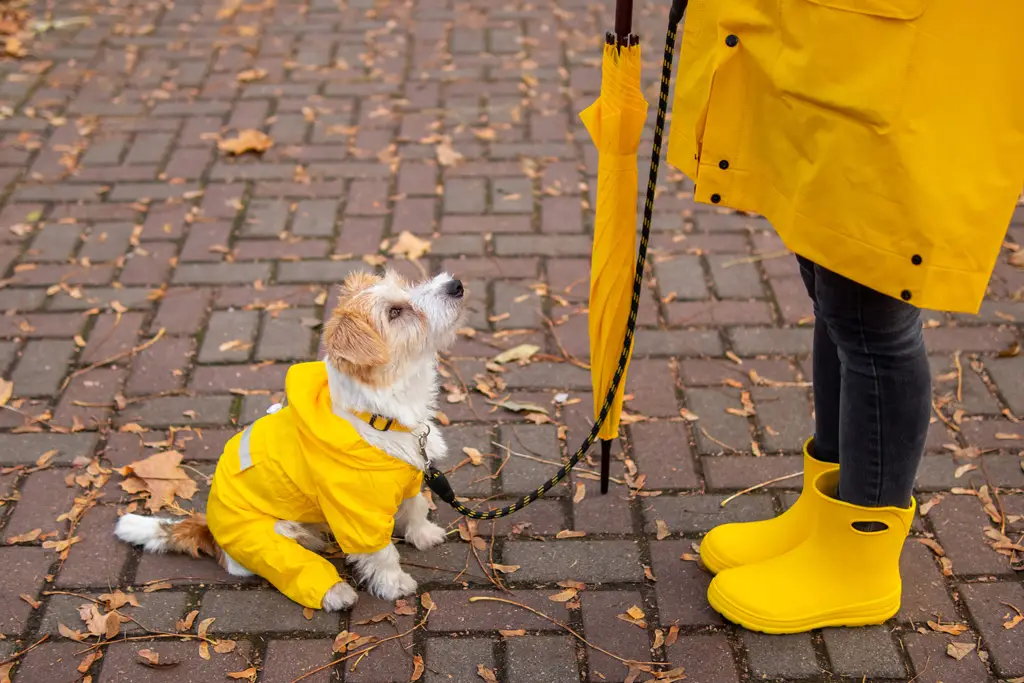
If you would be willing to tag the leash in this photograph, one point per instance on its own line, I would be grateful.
(435, 479)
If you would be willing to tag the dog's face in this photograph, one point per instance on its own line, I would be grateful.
(383, 325)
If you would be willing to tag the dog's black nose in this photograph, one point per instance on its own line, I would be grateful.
(454, 289)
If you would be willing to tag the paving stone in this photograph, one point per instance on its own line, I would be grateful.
(26, 448)
(286, 660)
(98, 559)
(932, 665)
(456, 659)
(924, 590)
(697, 514)
(455, 612)
(111, 335)
(161, 367)
(862, 652)
(987, 604)
(960, 522)
(392, 662)
(752, 341)
(42, 366)
(1008, 374)
(715, 424)
(735, 280)
(605, 629)
(25, 570)
(736, 472)
(602, 514)
(538, 658)
(682, 585)
(706, 658)
(684, 276)
(790, 656)
(52, 661)
(661, 450)
(788, 412)
(287, 336)
(158, 611)
(581, 560)
(178, 411)
(234, 331)
(44, 497)
(261, 610)
(120, 665)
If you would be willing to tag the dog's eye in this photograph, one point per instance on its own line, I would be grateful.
(394, 312)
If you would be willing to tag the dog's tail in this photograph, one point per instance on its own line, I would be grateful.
(190, 535)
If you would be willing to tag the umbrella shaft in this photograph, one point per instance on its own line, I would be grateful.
(623, 18)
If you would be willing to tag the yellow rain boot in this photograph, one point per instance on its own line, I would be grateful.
(839, 576)
(738, 544)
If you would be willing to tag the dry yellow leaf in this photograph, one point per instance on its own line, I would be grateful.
(662, 528)
(446, 154)
(6, 391)
(951, 629)
(250, 75)
(564, 596)
(26, 537)
(512, 633)
(417, 669)
(224, 646)
(248, 674)
(959, 650)
(486, 674)
(475, 456)
(410, 246)
(581, 492)
(567, 533)
(427, 601)
(248, 140)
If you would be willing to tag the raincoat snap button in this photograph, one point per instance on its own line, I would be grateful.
(905, 295)
(723, 164)
(916, 259)
(715, 198)
(732, 40)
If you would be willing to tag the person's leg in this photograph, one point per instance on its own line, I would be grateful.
(885, 395)
(827, 376)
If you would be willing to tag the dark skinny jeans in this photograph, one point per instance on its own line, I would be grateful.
(872, 388)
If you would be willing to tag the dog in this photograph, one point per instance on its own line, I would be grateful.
(346, 453)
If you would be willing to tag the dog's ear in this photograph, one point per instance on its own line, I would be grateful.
(350, 337)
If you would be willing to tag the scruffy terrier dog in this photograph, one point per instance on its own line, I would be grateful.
(345, 454)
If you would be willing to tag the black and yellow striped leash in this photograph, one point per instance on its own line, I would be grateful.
(435, 479)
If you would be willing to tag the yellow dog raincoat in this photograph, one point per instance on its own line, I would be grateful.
(304, 464)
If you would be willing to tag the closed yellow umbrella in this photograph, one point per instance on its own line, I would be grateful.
(615, 122)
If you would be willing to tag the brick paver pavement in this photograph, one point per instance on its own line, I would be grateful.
(122, 222)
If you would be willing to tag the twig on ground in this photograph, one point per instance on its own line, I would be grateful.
(555, 464)
(759, 486)
(33, 646)
(711, 438)
(364, 651)
(756, 257)
(627, 662)
(116, 357)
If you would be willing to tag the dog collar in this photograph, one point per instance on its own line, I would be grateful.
(381, 423)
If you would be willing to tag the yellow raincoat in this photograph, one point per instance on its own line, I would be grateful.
(883, 139)
(304, 464)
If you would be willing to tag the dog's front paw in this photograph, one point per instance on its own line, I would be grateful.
(392, 585)
(339, 597)
(425, 535)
